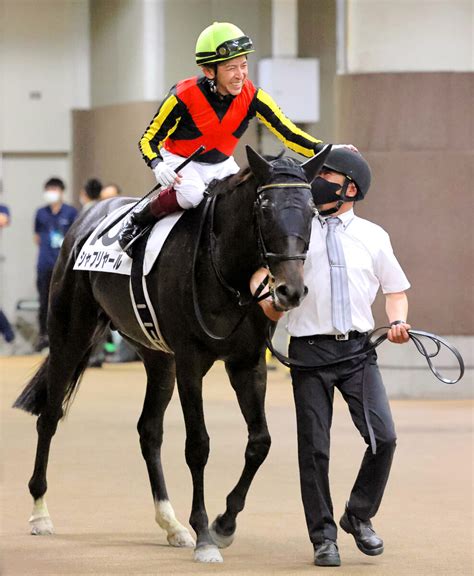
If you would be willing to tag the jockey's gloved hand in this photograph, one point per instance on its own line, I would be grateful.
(165, 175)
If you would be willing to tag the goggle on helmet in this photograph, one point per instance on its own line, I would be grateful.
(221, 41)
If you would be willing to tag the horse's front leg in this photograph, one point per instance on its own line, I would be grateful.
(160, 386)
(249, 383)
(189, 376)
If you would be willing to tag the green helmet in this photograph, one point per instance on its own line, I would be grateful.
(221, 41)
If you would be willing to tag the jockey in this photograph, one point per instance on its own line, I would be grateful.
(213, 110)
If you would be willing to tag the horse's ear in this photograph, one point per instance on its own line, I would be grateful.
(313, 166)
(259, 166)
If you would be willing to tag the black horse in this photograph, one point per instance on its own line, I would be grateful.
(261, 216)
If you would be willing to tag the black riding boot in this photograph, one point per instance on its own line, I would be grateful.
(148, 213)
(133, 224)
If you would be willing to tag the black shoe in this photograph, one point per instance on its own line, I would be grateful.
(132, 225)
(364, 535)
(326, 554)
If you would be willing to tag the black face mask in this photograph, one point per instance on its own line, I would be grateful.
(324, 192)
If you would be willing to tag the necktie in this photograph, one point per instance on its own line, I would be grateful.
(340, 303)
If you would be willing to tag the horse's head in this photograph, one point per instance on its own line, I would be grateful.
(284, 210)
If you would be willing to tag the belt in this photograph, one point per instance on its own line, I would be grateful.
(352, 335)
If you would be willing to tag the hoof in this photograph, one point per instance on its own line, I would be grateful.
(207, 554)
(181, 539)
(220, 540)
(41, 526)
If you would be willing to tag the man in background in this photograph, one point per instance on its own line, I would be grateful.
(51, 224)
(90, 194)
(5, 326)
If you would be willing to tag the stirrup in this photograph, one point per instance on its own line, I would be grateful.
(132, 226)
(128, 248)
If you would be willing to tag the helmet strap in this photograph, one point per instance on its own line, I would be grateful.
(212, 82)
(340, 202)
(332, 210)
(212, 85)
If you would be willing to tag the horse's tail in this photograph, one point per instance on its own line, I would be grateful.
(34, 396)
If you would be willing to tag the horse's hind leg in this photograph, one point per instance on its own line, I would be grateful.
(74, 319)
(249, 384)
(161, 375)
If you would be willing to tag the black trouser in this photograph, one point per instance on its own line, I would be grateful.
(6, 328)
(314, 393)
(43, 280)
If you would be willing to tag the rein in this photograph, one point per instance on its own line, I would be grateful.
(265, 256)
(210, 206)
(375, 340)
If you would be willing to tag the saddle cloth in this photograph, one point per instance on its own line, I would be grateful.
(105, 255)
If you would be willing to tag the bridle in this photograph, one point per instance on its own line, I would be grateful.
(265, 257)
(265, 254)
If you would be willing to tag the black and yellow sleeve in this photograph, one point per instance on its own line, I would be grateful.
(164, 123)
(292, 137)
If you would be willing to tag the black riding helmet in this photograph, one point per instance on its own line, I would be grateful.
(353, 165)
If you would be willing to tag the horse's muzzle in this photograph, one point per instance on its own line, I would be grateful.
(288, 296)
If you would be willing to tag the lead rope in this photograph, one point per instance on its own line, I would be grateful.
(375, 341)
(257, 296)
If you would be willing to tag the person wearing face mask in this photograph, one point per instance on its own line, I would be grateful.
(348, 259)
(213, 110)
(51, 224)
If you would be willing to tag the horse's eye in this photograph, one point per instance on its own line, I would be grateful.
(266, 203)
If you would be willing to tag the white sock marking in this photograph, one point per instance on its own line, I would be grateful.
(178, 535)
(40, 510)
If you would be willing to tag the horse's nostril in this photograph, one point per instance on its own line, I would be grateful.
(305, 291)
(282, 291)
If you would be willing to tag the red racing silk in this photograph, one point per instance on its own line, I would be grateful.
(215, 133)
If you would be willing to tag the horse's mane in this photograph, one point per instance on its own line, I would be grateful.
(230, 183)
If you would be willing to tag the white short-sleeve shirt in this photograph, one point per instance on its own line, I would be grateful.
(370, 263)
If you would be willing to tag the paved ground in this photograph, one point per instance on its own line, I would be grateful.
(102, 509)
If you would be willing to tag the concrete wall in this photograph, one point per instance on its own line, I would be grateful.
(317, 38)
(185, 20)
(44, 73)
(140, 48)
(123, 55)
(410, 35)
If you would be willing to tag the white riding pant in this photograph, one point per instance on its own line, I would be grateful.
(196, 176)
